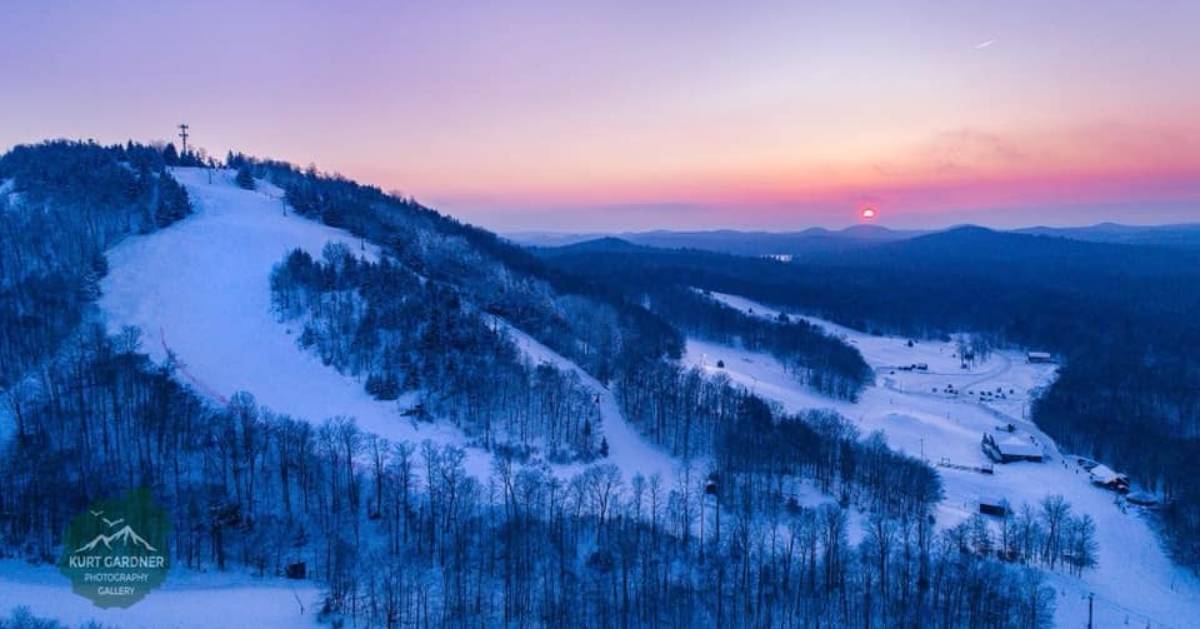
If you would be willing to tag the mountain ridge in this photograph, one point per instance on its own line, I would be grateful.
(821, 240)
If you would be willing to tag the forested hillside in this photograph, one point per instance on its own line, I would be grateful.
(1121, 318)
(771, 518)
(61, 205)
(404, 333)
(594, 328)
(399, 533)
(816, 359)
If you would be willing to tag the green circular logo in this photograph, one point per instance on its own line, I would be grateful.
(116, 552)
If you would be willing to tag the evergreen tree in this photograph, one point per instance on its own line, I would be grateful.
(245, 179)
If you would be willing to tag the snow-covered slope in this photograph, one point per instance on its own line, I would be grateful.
(1134, 580)
(201, 288)
(186, 599)
(627, 449)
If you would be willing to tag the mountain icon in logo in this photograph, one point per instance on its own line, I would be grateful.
(111, 551)
(126, 536)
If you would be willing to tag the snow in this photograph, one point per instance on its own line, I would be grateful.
(1104, 474)
(202, 288)
(627, 449)
(186, 599)
(1014, 446)
(9, 194)
(1134, 580)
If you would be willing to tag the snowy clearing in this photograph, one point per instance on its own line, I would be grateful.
(201, 287)
(1134, 580)
(186, 599)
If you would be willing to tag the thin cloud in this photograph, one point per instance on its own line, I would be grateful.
(984, 44)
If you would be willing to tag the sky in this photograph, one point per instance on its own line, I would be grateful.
(615, 115)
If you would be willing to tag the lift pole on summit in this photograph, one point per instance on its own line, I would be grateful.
(183, 135)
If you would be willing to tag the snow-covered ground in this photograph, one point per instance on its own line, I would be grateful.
(186, 599)
(201, 287)
(1134, 580)
(627, 449)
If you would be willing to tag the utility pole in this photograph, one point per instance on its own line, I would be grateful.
(1090, 595)
(183, 135)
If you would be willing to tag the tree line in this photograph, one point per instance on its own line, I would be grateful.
(402, 333)
(814, 358)
(596, 328)
(400, 534)
(64, 203)
(1118, 317)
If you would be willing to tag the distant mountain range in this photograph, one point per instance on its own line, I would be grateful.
(1180, 235)
(819, 241)
(748, 243)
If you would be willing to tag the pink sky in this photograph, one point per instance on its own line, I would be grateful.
(629, 115)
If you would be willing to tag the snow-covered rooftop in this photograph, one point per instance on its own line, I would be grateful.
(1015, 446)
(1104, 474)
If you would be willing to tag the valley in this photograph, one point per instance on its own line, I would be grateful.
(1134, 578)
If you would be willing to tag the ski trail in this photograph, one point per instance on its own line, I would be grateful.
(627, 448)
(204, 284)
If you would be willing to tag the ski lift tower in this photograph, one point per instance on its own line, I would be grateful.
(183, 135)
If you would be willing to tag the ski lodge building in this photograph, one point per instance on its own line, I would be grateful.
(1010, 449)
